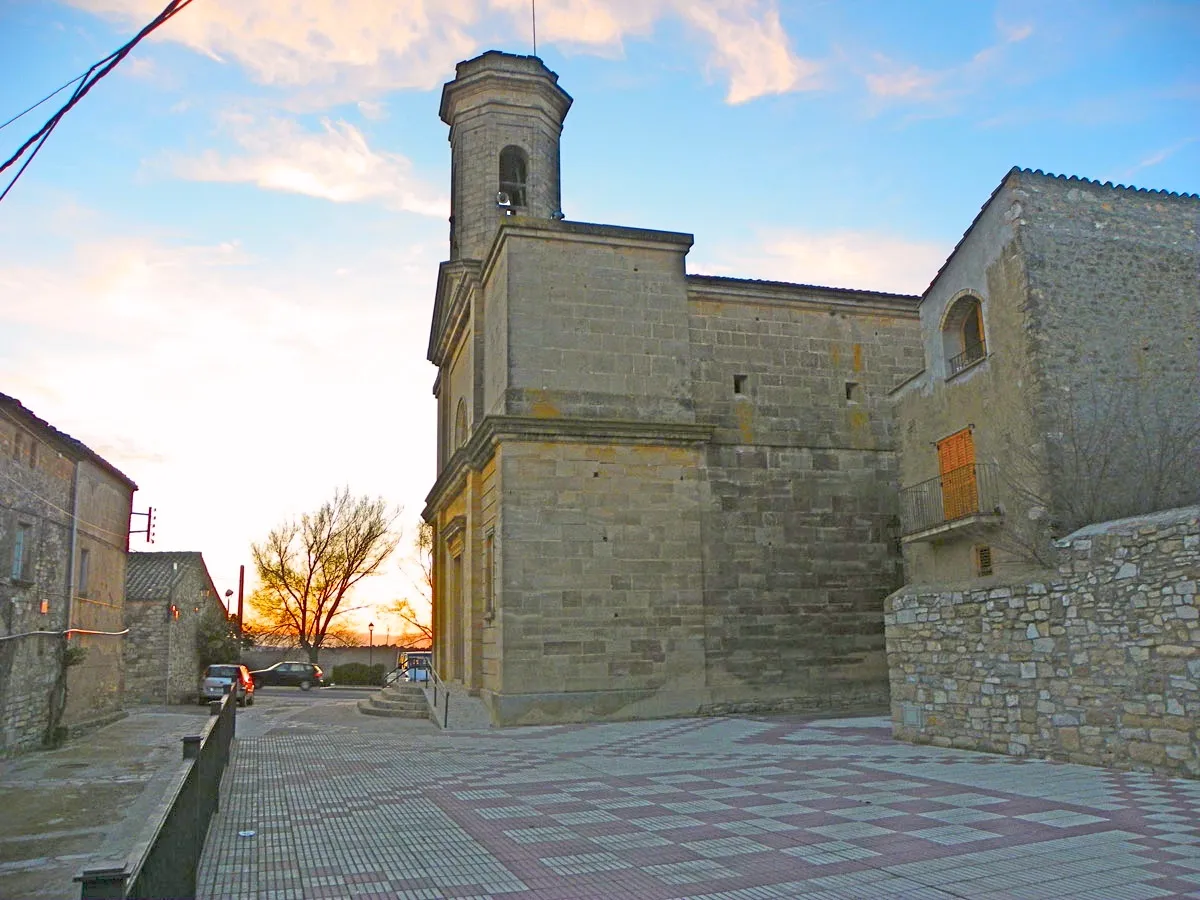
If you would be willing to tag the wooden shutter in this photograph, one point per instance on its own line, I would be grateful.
(983, 560)
(956, 465)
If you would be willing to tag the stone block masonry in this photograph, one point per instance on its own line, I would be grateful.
(1097, 662)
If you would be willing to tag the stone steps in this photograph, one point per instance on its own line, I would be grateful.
(398, 701)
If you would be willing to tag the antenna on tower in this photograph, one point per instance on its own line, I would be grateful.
(533, 14)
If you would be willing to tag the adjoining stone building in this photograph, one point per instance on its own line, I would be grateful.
(1061, 383)
(657, 493)
(1060, 394)
(64, 536)
(167, 596)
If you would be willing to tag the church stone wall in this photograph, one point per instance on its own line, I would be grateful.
(1096, 662)
(489, 519)
(494, 324)
(602, 602)
(598, 323)
(798, 536)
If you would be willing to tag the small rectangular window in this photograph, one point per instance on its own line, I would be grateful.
(22, 557)
(983, 560)
(84, 566)
(17, 447)
(854, 392)
(489, 575)
(739, 384)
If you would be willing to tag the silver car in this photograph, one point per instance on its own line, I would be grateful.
(218, 678)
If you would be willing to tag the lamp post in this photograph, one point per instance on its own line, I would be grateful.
(370, 643)
(228, 616)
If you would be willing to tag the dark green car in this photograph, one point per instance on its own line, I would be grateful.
(289, 674)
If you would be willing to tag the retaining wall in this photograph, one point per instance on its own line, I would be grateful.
(1097, 662)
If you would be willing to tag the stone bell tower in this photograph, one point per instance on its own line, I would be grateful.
(505, 114)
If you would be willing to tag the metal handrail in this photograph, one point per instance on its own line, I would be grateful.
(969, 490)
(438, 680)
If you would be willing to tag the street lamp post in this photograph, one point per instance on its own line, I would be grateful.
(370, 644)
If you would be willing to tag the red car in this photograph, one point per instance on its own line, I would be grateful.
(218, 678)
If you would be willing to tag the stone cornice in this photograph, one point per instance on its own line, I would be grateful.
(780, 293)
(475, 454)
(583, 233)
(503, 78)
(455, 278)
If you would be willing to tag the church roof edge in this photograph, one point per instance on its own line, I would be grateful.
(718, 281)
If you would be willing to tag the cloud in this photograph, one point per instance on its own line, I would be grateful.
(750, 44)
(1159, 156)
(372, 110)
(894, 81)
(847, 259)
(381, 46)
(334, 57)
(335, 163)
(235, 393)
(141, 68)
(910, 82)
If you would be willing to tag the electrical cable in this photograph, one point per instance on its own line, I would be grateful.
(43, 100)
(88, 81)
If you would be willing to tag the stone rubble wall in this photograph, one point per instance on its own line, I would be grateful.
(1097, 662)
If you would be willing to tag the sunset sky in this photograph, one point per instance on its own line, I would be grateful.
(219, 272)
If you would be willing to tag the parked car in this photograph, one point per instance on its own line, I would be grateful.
(290, 674)
(417, 666)
(217, 679)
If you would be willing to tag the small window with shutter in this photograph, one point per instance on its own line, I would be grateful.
(983, 560)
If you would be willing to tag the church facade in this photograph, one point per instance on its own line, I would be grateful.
(657, 493)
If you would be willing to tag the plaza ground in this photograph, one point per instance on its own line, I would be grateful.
(322, 802)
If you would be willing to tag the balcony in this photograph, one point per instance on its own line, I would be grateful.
(973, 354)
(955, 500)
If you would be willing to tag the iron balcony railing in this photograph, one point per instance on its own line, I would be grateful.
(966, 491)
(972, 354)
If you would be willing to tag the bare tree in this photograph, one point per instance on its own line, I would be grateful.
(1117, 448)
(307, 567)
(415, 629)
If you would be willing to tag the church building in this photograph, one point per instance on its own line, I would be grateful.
(657, 493)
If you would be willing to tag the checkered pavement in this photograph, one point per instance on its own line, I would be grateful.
(712, 809)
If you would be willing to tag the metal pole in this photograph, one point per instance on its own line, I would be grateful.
(241, 588)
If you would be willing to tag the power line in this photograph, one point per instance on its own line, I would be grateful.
(86, 82)
(43, 100)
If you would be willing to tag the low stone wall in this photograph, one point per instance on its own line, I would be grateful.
(1097, 662)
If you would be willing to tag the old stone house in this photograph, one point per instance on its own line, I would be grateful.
(1060, 399)
(657, 493)
(167, 596)
(1061, 383)
(64, 536)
